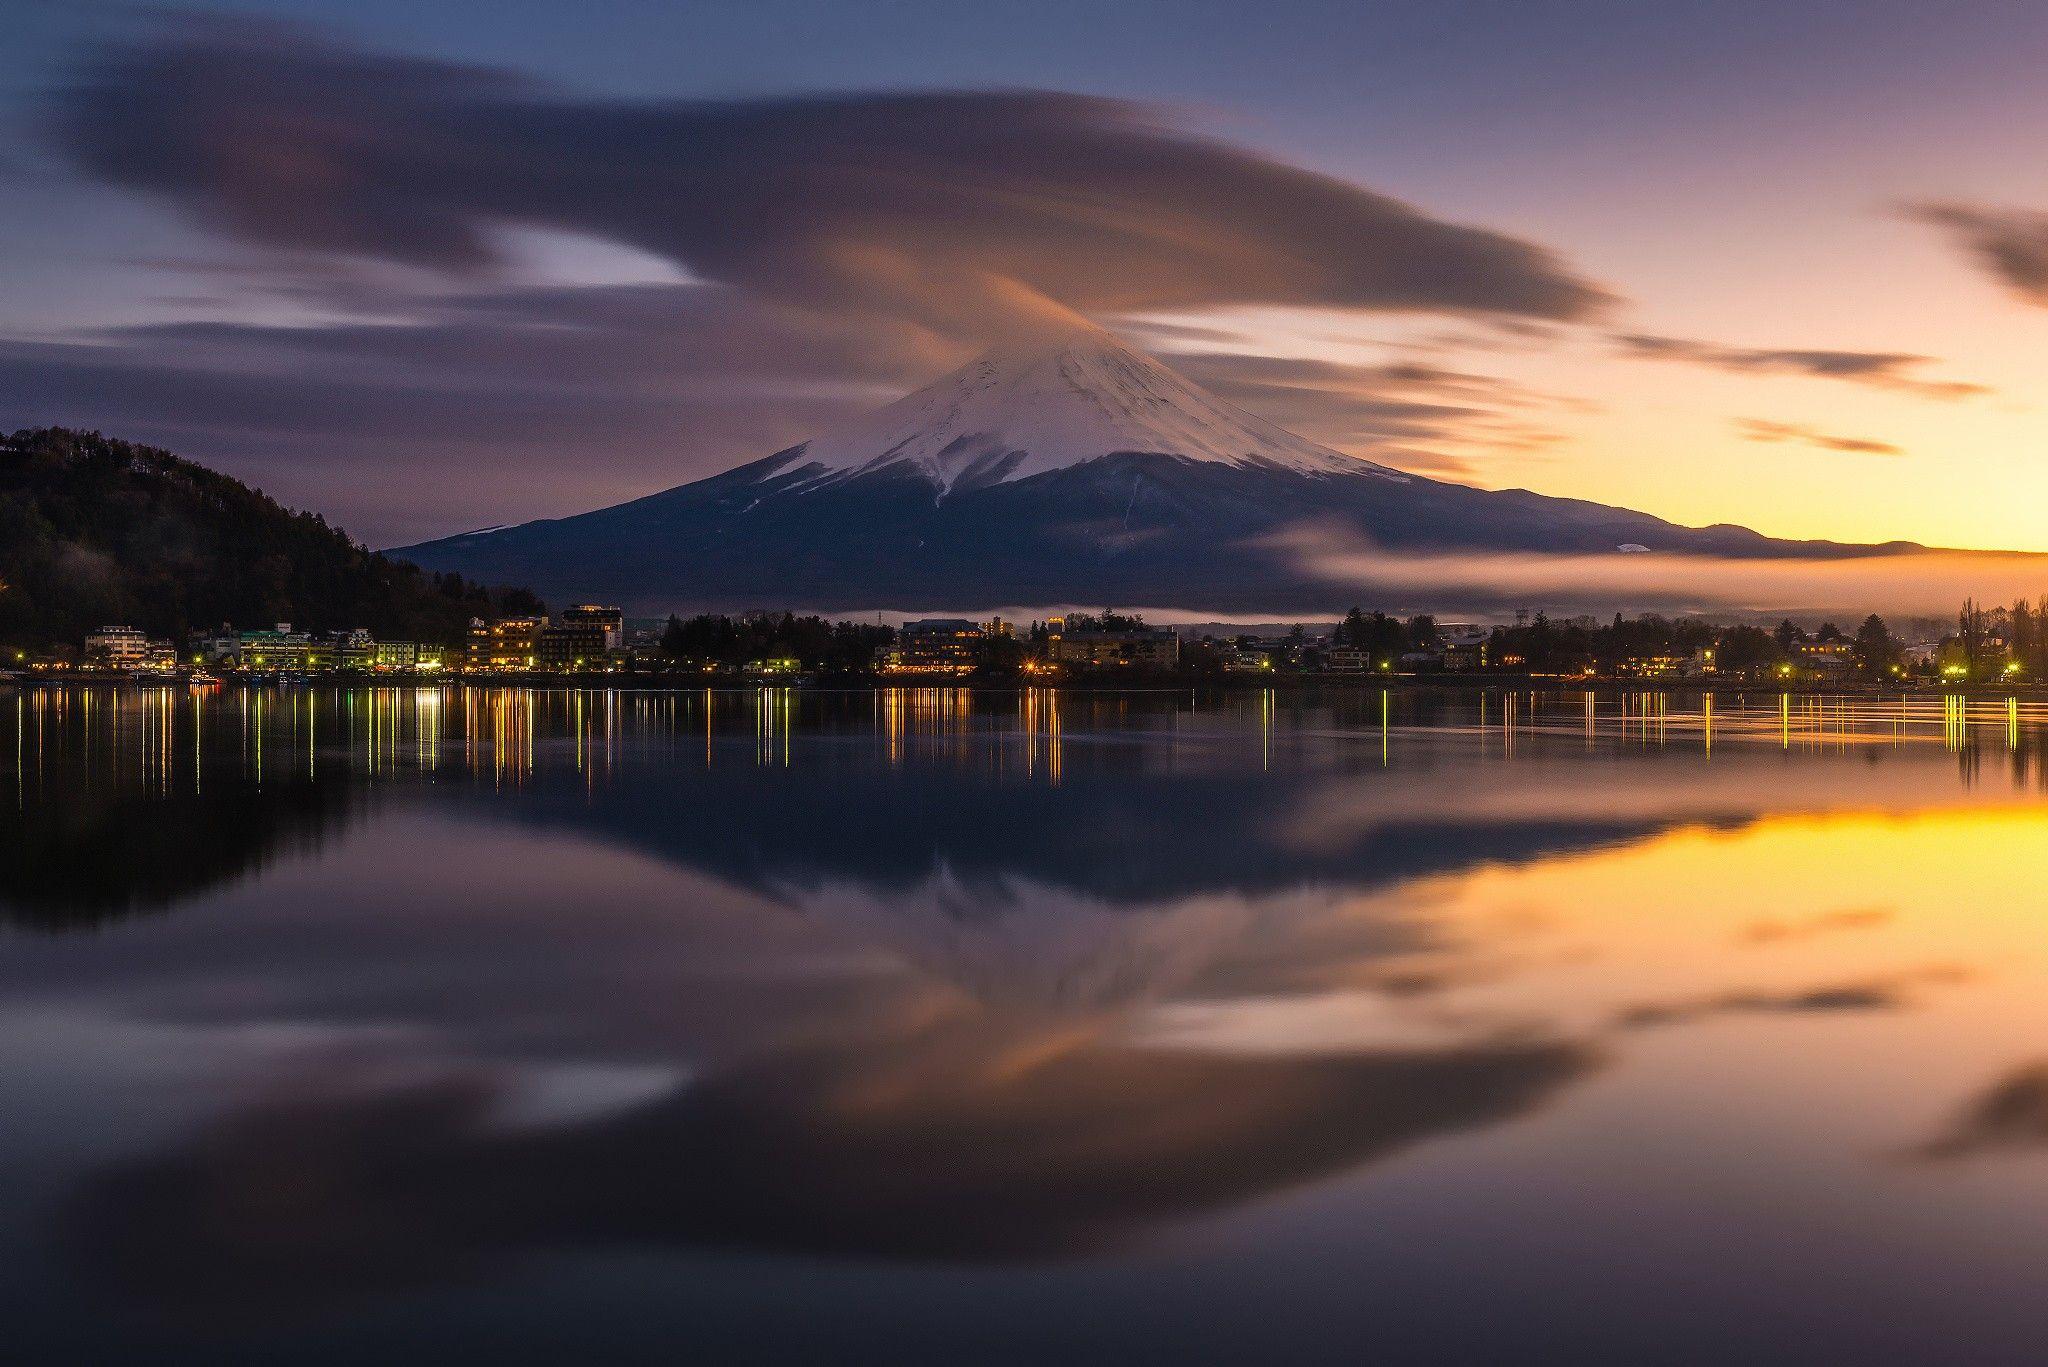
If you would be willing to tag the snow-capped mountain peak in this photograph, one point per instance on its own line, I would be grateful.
(1073, 470)
(1022, 410)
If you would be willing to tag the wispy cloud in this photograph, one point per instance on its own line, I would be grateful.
(1418, 417)
(1849, 918)
(1893, 370)
(580, 396)
(574, 397)
(2009, 1116)
(1830, 578)
(1891, 993)
(2010, 244)
(1759, 429)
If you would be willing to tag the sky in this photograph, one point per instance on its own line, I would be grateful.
(437, 265)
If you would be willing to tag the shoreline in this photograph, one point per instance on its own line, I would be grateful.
(1227, 683)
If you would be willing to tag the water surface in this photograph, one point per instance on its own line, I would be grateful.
(932, 1025)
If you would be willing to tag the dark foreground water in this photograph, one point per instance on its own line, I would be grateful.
(395, 1025)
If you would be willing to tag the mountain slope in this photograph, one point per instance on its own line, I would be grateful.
(1071, 472)
(94, 531)
(1025, 410)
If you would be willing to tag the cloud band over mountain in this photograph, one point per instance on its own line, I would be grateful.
(929, 203)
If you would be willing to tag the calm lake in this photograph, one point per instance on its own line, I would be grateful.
(927, 1025)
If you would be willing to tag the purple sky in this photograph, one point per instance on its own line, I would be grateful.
(430, 266)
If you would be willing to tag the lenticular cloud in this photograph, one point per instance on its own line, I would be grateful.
(954, 206)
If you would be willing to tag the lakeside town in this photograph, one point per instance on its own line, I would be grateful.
(2006, 645)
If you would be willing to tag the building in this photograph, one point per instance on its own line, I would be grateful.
(223, 647)
(1142, 648)
(1463, 645)
(117, 648)
(278, 648)
(1460, 657)
(568, 646)
(402, 656)
(935, 645)
(1346, 660)
(512, 644)
(611, 621)
(349, 650)
(1292, 651)
(1836, 656)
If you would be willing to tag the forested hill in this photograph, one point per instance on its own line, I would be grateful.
(96, 531)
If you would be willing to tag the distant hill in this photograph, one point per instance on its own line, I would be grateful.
(96, 531)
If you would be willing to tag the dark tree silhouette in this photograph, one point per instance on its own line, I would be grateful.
(96, 531)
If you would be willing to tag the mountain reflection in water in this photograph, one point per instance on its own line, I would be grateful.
(473, 1016)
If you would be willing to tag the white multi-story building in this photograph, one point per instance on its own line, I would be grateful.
(117, 647)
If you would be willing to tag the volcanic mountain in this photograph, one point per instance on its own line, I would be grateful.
(1070, 471)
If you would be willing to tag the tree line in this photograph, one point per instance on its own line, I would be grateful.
(96, 531)
(1986, 642)
(761, 638)
(1547, 646)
